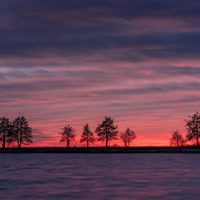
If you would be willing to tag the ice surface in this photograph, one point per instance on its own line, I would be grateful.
(99, 176)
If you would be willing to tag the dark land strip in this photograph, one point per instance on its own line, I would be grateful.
(187, 149)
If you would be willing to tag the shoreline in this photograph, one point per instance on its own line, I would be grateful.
(188, 149)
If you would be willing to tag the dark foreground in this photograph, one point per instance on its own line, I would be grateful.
(187, 149)
(91, 176)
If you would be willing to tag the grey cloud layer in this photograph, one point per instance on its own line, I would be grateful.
(134, 29)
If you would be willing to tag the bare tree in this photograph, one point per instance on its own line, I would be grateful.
(4, 130)
(193, 127)
(11, 136)
(68, 134)
(177, 139)
(87, 135)
(128, 136)
(106, 131)
(22, 131)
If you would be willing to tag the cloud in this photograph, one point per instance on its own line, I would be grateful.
(109, 29)
(77, 61)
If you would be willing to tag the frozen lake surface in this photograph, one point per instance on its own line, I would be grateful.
(99, 176)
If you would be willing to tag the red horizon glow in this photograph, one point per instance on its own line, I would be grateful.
(157, 138)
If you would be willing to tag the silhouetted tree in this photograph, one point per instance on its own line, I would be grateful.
(22, 132)
(177, 139)
(11, 136)
(4, 130)
(128, 136)
(106, 131)
(68, 134)
(193, 127)
(87, 135)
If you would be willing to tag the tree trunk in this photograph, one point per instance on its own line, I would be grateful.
(4, 140)
(87, 143)
(197, 140)
(68, 143)
(106, 137)
(20, 141)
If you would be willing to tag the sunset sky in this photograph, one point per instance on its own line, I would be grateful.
(77, 61)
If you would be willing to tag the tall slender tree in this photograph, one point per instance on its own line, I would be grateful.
(106, 131)
(87, 135)
(22, 131)
(128, 136)
(193, 127)
(177, 139)
(4, 130)
(68, 134)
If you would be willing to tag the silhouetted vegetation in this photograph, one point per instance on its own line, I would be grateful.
(68, 134)
(106, 131)
(22, 133)
(128, 136)
(87, 135)
(177, 139)
(193, 128)
(17, 131)
(4, 130)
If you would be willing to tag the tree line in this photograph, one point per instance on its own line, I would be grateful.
(193, 132)
(106, 131)
(17, 131)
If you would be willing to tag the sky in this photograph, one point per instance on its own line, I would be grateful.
(77, 61)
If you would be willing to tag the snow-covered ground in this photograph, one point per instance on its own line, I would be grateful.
(99, 176)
